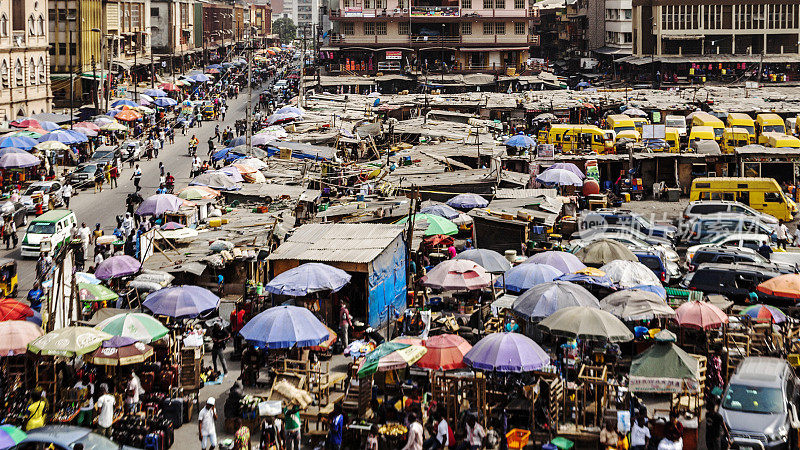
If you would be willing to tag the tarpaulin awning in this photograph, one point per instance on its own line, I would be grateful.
(494, 49)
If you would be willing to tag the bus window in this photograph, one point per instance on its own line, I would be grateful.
(774, 197)
(728, 196)
(743, 197)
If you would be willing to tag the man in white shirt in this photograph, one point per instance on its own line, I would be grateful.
(782, 234)
(66, 194)
(640, 434)
(85, 234)
(475, 433)
(206, 426)
(105, 406)
(132, 393)
(87, 407)
(441, 440)
(414, 441)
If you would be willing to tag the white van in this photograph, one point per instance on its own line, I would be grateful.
(48, 232)
(677, 122)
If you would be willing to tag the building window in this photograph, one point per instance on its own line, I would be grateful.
(380, 29)
(380, 4)
(154, 12)
(369, 28)
(500, 28)
(519, 27)
(3, 25)
(348, 28)
(62, 48)
(627, 37)
(42, 71)
(40, 25)
(31, 26)
(401, 4)
(367, 4)
(466, 4)
(487, 4)
(4, 74)
(499, 4)
(73, 48)
(466, 28)
(403, 28)
(19, 73)
(18, 15)
(488, 27)
(32, 72)
(519, 4)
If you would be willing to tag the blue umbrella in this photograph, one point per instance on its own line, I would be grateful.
(220, 154)
(285, 327)
(561, 177)
(7, 150)
(441, 210)
(543, 300)
(200, 77)
(232, 173)
(290, 110)
(520, 141)
(181, 301)
(307, 279)
(18, 160)
(283, 117)
(64, 137)
(164, 102)
(658, 290)
(48, 126)
(155, 93)
(467, 201)
(237, 141)
(113, 112)
(123, 102)
(214, 66)
(602, 281)
(525, 276)
(23, 142)
(77, 135)
(583, 84)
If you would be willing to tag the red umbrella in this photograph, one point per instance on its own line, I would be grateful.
(128, 115)
(15, 336)
(702, 315)
(11, 309)
(445, 352)
(26, 123)
(457, 275)
(168, 87)
(89, 125)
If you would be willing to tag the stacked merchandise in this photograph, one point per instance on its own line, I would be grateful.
(154, 431)
(15, 406)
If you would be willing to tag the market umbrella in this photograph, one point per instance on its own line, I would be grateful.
(169, 87)
(15, 335)
(658, 290)
(586, 323)
(580, 278)
(702, 315)
(445, 352)
(563, 261)
(11, 309)
(123, 102)
(785, 286)
(11, 436)
(390, 356)
(467, 201)
(568, 166)
(198, 193)
(63, 136)
(199, 77)
(128, 115)
(155, 93)
(285, 326)
(33, 133)
(164, 102)
(172, 226)
(506, 352)
(545, 299)
(764, 313)
(561, 177)
(85, 131)
(137, 326)
(95, 293)
(440, 209)
(308, 278)
(88, 278)
(664, 368)
(432, 224)
(22, 142)
(117, 266)
(158, 204)
(490, 260)
(525, 276)
(520, 141)
(18, 160)
(68, 341)
(634, 112)
(215, 180)
(232, 173)
(120, 351)
(280, 118)
(457, 275)
(25, 123)
(181, 301)
(290, 109)
(113, 126)
(102, 120)
(630, 273)
(89, 125)
(603, 251)
(633, 304)
(326, 345)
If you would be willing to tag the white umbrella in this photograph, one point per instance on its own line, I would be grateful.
(627, 274)
(561, 177)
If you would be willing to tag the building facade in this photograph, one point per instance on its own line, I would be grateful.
(618, 27)
(261, 17)
(76, 49)
(24, 78)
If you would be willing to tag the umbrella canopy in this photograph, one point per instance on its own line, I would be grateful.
(285, 327)
(136, 326)
(563, 261)
(525, 276)
(169, 87)
(120, 351)
(68, 341)
(587, 323)
(467, 201)
(445, 352)
(215, 180)
(25, 123)
(764, 313)
(128, 115)
(181, 301)
(232, 173)
(63, 136)
(18, 160)
(507, 352)
(457, 275)
(630, 273)
(440, 210)
(390, 356)
(568, 166)
(172, 226)
(15, 335)
(95, 293)
(262, 139)
(113, 126)
(308, 278)
(603, 251)
(702, 315)
(547, 298)
(123, 102)
(11, 309)
(22, 142)
(785, 286)
(596, 280)
(281, 118)
(158, 204)
(664, 368)
(117, 266)
(164, 102)
(520, 141)
(155, 93)
(561, 177)
(199, 77)
(432, 224)
(198, 193)
(490, 260)
(11, 436)
(85, 131)
(52, 145)
(658, 290)
(290, 110)
(634, 112)
(634, 304)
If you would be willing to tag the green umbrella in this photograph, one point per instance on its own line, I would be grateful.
(68, 341)
(28, 133)
(390, 356)
(583, 322)
(139, 326)
(95, 293)
(432, 224)
(11, 436)
(664, 368)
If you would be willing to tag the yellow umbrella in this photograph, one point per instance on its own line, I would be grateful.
(51, 145)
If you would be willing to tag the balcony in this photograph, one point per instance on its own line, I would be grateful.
(495, 13)
(435, 11)
(443, 40)
(357, 12)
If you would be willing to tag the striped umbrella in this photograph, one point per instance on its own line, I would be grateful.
(390, 356)
(764, 313)
(138, 326)
(10, 436)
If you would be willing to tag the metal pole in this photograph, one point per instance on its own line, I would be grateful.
(108, 75)
(71, 76)
(94, 84)
(133, 74)
(248, 131)
(152, 69)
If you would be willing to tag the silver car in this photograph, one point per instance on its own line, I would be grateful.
(46, 189)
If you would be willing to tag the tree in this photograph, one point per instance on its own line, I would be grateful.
(285, 28)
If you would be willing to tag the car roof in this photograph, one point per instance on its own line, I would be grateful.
(728, 250)
(63, 435)
(741, 266)
(53, 216)
(760, 371)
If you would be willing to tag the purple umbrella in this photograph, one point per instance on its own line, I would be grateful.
(158, 204)
(568, 166)
(307, 279)
(525, 276)
(12, 160)
(507, 352)
(441, 210)
(117, 266)
(172, 226)
(232, 173)
(285, 327)
(467, 201)
(181, 301)
(563, 261)
(119, 341)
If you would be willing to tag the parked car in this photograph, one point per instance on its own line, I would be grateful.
(629, 241)
(620, 229)
(706, 207)
(83, 176)
(735, 281)
(17, 210)
(667, 271)
(744, 240)
(106, 155)
(725, 255)
(66, 437)
(132, 150)
(627, 218)
(707, 229)
(44, 188)
(759, 406)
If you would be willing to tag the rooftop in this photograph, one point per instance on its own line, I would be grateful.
(340, 242)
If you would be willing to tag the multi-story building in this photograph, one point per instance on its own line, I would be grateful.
(429, 35)
(304, 13)
(24, 80)
(618, 28)
(127, 36)
(261, 17)
(217, 28)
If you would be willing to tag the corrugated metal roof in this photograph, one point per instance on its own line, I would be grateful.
(339, 242)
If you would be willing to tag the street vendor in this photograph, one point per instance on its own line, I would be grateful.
(132, 391)
(37, 410)
(86, 416)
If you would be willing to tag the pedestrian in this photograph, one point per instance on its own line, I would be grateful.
(217, 135)
(66, 194)
(137, 178)
(85, 235)
(6, 233)
(716, 431)
(291, 419)
(206, 425)
(441, 440)
(221, 285)
(210, 146)
(37, 411)
(86, 414)
(673, 434)
(132, 391)
(105, 408)
(345, 323)
(336, 429)
(219, 338)
(270, 433)
(222, 110)
(372, 437)
(414, 441)
(475, 433)
(156, 147)
(782, 234)
(241, 438)
(12, 230)
(640, 433)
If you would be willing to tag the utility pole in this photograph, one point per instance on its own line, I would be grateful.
(301, 94)
(70, 20)
(152, 68)
(108, 76)
(249, 131)
(760, 68)
(94, 84)
(133, 74)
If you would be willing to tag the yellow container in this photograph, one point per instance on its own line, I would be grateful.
(216, 222)
(511, 71)
(626, 196)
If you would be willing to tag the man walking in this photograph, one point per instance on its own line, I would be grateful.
(345, 322)
(66, 194)
(219, 337)
(206, 425)
(137, 178)
(105, 408)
